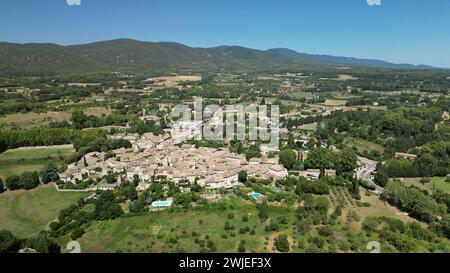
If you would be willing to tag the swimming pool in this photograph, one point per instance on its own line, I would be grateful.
(162, 204)
(256, 195)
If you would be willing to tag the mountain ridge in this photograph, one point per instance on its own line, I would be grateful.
(134, 55)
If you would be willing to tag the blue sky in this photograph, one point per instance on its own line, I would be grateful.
(401, 31)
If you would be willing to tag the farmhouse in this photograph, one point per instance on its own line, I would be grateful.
(405, 156)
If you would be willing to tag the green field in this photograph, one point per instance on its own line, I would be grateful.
(18, 161)
(310, 127)
(155, 232)
(25, 213)
(362, 145)
(436, 183)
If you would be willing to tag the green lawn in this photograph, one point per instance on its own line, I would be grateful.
(436, 183)
(18, 161)
(25, 213)
(151, 233)
(310, 127)
(363, 145)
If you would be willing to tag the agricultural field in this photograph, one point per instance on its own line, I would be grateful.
(32, 119)
(25, 213)
(334, 103)
(28, 159)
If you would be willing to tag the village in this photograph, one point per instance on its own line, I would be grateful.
(153, 157)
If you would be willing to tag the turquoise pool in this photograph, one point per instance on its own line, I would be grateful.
(162, 204)
(257, 196)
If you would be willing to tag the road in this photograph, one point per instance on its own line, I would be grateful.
(366, 171)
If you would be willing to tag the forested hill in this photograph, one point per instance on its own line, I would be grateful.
(132, 55)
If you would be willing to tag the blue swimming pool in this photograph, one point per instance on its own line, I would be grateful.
(256, 195)
(162, 204)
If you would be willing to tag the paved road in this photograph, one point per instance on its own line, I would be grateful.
(365, 173)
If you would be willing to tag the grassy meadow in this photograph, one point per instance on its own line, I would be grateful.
(436, 183)
(176, 231)
(18, 161)
(25, 213)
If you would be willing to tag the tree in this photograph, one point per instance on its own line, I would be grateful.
(347, 162)
(282, 243)
(426, 164)
(417, 203)
(242, 176)
(3, 146)
(288, 158)
(30, 180)
(13, 183)
(128, 192)
(381, 177)
(50, 173)
(42, 244)
(262, 212)
(2, 187)
(106, 207)
(77, 233)
(355, 189)
(8, 243)
(79, 120)
(321, 158)
(138, 206)
(446, 225)
(241, 247)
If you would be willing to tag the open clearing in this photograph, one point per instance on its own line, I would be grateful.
(345, 77)
(81, 84)
(310, 127)
(175, 79)
(32, 119)
(28, 159)
(379, 208)
(170, 231)
(363, 145)
(436, 183)
(172, 81)
(330, 102)
(25, 213)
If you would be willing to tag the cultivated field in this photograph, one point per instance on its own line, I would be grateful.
(330, 102)
(172, 81)
(33, 119)
(25, 213)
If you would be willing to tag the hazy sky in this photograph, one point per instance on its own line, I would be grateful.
(401, 31)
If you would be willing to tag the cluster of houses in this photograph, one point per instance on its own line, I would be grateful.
(314, 174)
(152, 157)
